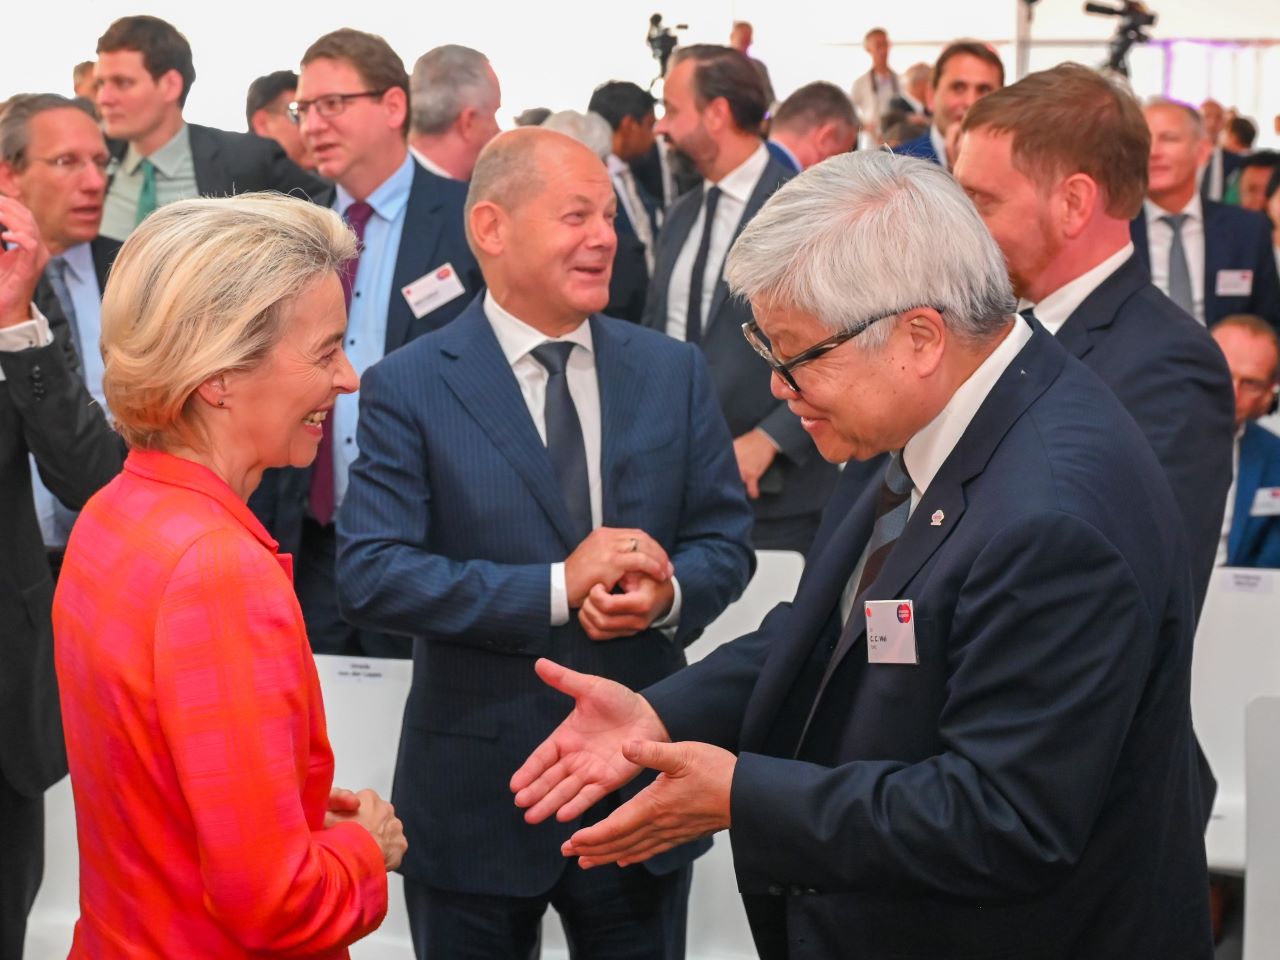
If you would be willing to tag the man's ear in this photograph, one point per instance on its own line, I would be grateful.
(487, 220)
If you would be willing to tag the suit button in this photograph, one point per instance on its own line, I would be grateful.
(775, 890)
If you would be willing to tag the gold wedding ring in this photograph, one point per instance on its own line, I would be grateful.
(635, 545)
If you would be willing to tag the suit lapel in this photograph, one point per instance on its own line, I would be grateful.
(1099, 309)
(622, 392)
(674, 235)
(480, 377)
(103, 250)
(1028, 376)
(774, 176)
(211, 180)
(418, 242)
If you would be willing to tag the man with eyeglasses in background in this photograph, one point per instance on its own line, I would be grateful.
(52, 163)
(53, 160)
(143, 77)
(415, 273)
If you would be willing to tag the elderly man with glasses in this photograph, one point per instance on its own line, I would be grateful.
(415, 273)
(969, 733)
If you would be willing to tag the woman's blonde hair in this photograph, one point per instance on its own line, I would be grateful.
(199, 289)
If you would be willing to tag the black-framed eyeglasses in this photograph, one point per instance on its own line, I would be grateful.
(330, 105)
(760, 343)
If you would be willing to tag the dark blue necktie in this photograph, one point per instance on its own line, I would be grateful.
(698, 278)
(565, 447)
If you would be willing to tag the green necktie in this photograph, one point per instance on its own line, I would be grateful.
(147, 195)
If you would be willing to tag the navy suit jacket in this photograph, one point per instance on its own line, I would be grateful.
(799, 480)
(1234, 239)
(1254, 541)
(921, 147)
(450, 525)
(433, 235)
(782, 156)
(1027, 789)
(630, 277)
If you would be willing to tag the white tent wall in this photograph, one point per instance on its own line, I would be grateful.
(552, 54)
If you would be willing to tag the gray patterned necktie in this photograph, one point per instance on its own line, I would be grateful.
(57, 273)
(1179, 273)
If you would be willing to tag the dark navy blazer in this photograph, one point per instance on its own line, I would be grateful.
(921, 146)
(1254, 541)
(1234, 239)
(450, 525)
(1028, 789)
(433, 235)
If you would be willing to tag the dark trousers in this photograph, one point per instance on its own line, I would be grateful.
(786, 533)
(315, 581)
(21, 865)
(609, 913)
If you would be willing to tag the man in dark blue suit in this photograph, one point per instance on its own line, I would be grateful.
(534, 480)
(817, 121)
(965, 72)
(714, 107)
(969, 734)
(1251, 526)
(415, 274)
(1059, 207)
(1211, 259)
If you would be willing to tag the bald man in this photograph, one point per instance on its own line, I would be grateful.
(535, 480)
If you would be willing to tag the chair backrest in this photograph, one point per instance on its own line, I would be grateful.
(1262, 789)
(775, 581)
(1237, 658)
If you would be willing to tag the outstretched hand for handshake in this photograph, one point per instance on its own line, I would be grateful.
(630, 560)
(611, 735)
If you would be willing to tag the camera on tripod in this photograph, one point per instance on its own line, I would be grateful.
(1134, 19)
(662, 41)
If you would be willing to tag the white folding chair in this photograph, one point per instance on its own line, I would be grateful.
(1262, 789)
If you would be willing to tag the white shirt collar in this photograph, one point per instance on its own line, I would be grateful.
(79, 260)
(616, 165)
(517, 338)
(739, 182)
(1056, 308)
(927, 451)
(1194, 210)
(430, 165)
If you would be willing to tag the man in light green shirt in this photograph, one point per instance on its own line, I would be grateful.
(143, 75)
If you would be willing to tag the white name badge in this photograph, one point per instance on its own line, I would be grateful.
(433, 290)
(1266, 502)
(891, 631)
(1234, 283)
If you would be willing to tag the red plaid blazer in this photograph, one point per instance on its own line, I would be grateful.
(196, 736)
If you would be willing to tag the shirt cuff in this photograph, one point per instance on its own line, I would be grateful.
(23, 336)
(559, 596)
(672, 618)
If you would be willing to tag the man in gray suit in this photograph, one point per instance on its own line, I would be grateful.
(714, 108)
(46, 414)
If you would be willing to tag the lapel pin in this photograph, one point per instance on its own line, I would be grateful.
(937, 518)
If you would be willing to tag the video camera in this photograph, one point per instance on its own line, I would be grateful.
(1134, 17)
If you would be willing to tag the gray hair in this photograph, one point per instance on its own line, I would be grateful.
(917, 73)
(16, 114)
(445, 82)
(869, 235)
(590, 129)
(1191, 113)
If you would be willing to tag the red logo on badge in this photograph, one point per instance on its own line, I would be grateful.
(868, 610)
(442, 273)
(904, 613)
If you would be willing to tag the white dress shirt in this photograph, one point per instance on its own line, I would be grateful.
(1160, 239)
(927, 451)
(939, 141)
(736, 188)
(628, 191)
(518, 340)
(430, 165)
(1056, 308)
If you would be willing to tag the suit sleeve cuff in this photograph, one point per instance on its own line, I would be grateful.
(671, 619)
(559, 596)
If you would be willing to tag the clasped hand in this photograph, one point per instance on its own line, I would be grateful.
(629, 560)
(609, 737)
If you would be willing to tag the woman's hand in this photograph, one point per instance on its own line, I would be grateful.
(375, 815)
